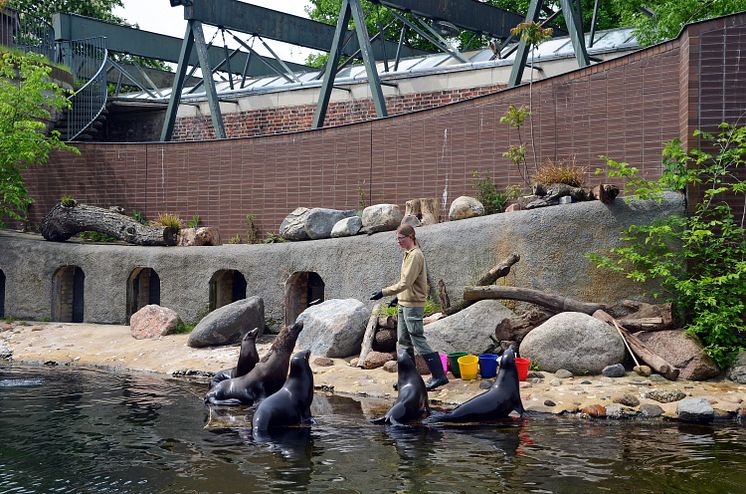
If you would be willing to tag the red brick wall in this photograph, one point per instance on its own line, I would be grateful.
(624, 109)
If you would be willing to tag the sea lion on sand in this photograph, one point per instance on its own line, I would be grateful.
(265, 378)
(412, 402)
(291, 405)
(247, 359)
(495, 403)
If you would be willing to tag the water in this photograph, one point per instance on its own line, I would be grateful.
(86, 431)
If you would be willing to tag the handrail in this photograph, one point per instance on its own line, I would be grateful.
(19, 29)
(90, 99)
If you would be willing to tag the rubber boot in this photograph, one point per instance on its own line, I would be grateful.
(410, 351)
(436, 369)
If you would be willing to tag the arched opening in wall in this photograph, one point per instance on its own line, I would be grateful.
(226, 286)
(2, 293)
(302, 289)
(68, 284)
(143, 288)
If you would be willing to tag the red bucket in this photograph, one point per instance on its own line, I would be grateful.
(522, 365)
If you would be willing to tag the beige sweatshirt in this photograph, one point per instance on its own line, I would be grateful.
(412, 287)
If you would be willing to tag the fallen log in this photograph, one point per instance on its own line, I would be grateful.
(64, 221)
(649, 317)
(656, 362)
(517, 327)
(554, 303)
(369, 335)
(498, 271)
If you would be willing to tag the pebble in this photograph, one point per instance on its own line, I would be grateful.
(323, 362)
(616, 370)
(626, 399)
(485, 385)
(563, 373)
(665, 396)
(650, 410)
(594, 410)
(585, 381)
(555, 382)
(549, 403)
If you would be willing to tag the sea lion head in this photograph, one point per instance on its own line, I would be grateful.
(250, 335)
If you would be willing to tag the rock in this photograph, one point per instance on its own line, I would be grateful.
(549, 403)
(563, 373)
(465, 207)
(6, 352)
(347, 227)
(616, 370)
(385, 340)
(293, 226)
(323, 362)
(229, 323)
(642, 370)
(382, 218)
(411, 220)
(535, 374)
(333, 328)
(626, 399)
(594, 411)
(555, 382)
(513, 207)
(737, 372)
(585, 381)
(683, 352)
(665, 396)
(196, 237)
(375, 359)
(153, 321)
(390, 366)
(574, 341)
(696, 410)
(650, 410)
(615, 412)
(5, 326)
(468, 330)
(320, 221)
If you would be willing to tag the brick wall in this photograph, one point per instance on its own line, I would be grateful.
(625, 109)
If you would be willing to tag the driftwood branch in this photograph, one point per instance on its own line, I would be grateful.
(62, 222)
(498, 271)
(517, 327)
(656, 362)
(370, 333)
(554, 303)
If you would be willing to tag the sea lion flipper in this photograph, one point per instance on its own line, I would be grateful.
(378, 421)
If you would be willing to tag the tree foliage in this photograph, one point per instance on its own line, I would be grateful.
(28, 99)
(98, 9)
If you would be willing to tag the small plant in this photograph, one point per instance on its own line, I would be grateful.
(273, 238)
(362, 198)
(252, 229)
(534, 366)
(559, 172)
(235, 239)
(431, 307)
(169, 220)
(513, 192)
(9, 319)
(67, 201)
(139, 217)
(515, 117)
(193, 222)
(492, 200)
(184, 328)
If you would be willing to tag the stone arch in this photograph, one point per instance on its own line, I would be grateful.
(226, 286)
(68, 286)
(143, 288)
(301, 290)
(2, 293)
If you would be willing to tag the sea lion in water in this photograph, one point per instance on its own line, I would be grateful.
(247, 359)
(265, 378)
(291, 405)
(412, 402)
(495, 403)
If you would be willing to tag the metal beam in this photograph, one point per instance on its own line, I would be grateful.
(267, 23)
(173, 101)
(146, 44)
(519, 64)
(204, 64)
(374, 81)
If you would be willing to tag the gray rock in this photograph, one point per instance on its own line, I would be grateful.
(737, 372)
(468, 330)
(563, 373)
(615, 412)
(6, 352)
(555, 382)
(465, 207)
(626, 399)
(333, 328)
(381, 218)
(227, 324)
(574, 341)
(695, 410)
(616, 370)
(376, 359)
(683, 351)
(153, 321)
(347, 227)
(293, 226)
(650, 410)
(665, 396)
(411, 220)
(320, 221)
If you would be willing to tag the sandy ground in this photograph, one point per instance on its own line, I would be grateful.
(112, 347)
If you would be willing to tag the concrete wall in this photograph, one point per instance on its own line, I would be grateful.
(551, 242)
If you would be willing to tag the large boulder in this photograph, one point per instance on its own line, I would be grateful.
(573, 341)
(153, 321)
(683, 352)
(737, 372)
(320, 221)
(293, 226)
(465, 207)
(229, 323)
(381, 218)
(468, 330)
(347, 227)
(696, 410)
(333, 328)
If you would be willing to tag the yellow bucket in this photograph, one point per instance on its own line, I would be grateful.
(468, 365)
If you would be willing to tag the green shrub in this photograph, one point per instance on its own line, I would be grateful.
(193, 222)
(235, 239)
(139, 217)
(492, 200)
(67, 201)
(273, 238)
(252, 229)
(96, 237)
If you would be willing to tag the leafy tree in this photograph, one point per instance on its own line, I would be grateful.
(28, 98)
(98, 9)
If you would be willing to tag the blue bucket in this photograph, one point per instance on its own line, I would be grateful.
(487, 364)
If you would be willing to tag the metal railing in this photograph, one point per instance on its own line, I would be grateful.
(87, 60)
(26, 32)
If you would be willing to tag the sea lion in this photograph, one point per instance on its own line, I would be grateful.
(412, 402)
(291, 405)
(265, 378)
(495, 403)
(247, 359)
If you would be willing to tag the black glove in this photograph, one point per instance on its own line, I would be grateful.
(377, 295)
(394, 302)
